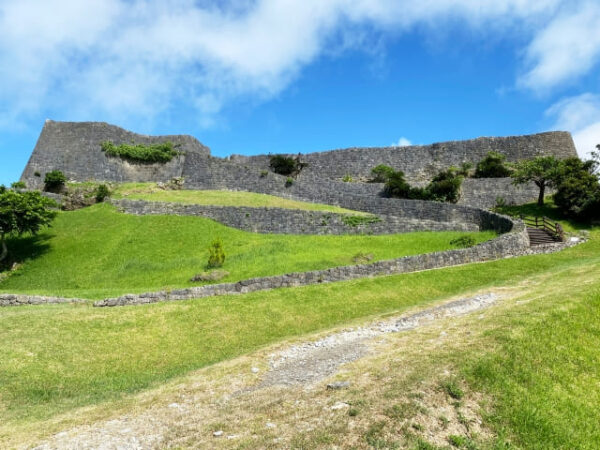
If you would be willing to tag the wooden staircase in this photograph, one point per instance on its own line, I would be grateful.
(542, 230)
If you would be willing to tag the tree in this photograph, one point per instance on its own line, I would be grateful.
(492, 166)
(381, 173)
(577, 189)
(54, 181)
(22, 212)
(543, 171)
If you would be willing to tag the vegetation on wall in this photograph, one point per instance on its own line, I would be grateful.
(54, 181)
(154, 153)
(444, 187)
(492, 166)
(381, 173)
(286, 165)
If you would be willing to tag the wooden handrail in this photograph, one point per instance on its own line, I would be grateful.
(543, 223)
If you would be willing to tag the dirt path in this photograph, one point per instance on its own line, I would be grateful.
(299, 365)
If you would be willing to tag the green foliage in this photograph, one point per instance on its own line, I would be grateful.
(355, 221)
(37, 174)
(453, 390)
(465, 169)
(542, 170)
(444, 187)
(492, 166)
(577, 190)
(18, 185)
(23, 212)
(457, 441)
(289, 181)
(463, 242)
(381, 173)
(154, 153)
(216, 254)
(54, 181)
(101, 192)
(286, 165)
(347, 178)
(264, 173)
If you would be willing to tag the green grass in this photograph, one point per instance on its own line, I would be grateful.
(97, 252)
(150, 192)
(57, 357)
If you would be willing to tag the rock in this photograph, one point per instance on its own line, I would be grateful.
(255, 370)
(339, 405)
(218, 433)
(337, 385)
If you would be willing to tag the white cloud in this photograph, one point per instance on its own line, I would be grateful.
(569, 46)
(139, 58)
(581, 116)
(402, 142)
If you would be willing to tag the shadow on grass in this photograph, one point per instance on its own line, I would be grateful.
(24, 248)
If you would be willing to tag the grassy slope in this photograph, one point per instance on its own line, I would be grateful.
(58, 357)
(149, 192)
(97, 252)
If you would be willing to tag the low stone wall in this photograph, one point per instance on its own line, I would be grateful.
(511, 244)
(290, 221)
(24, 299)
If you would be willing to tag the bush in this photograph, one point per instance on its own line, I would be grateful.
(216, 254)
(286, 165)
(54, 181)
(465, 169)
(18, 185)
(492, 166)
(37, 174)
(101, 192)
(155, 153)
(444, 187)
(463, 241)
(577, 190)
(289, 181)
(381, 173)
(396, 185)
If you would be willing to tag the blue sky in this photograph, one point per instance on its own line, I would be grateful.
(296, 76)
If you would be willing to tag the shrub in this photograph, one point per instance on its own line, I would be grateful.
(216, 254)
(154, 153)
(18, 185)
(286, 165)
(492, 166)
(289, 181)
(54, 181)
(37, 174)
(396, 185)
(445, 186)
(465, 169)
(463, 241)
(101, 192)
(381, 173)
(577, 189)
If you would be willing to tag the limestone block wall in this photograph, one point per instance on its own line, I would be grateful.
(421, 163)
(74, 148)
(483, 192)
(287, 221)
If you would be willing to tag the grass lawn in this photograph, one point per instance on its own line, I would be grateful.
(97, 252)
(150, 192)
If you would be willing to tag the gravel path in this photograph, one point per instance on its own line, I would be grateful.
(306, 363)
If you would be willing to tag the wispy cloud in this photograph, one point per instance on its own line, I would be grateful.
(581, 116)
(117, 58)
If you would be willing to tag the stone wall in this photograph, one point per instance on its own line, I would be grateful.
(511, 244)
(288, 221)
(421, 163)
(75, 149)
(24, 299)
(483, 192)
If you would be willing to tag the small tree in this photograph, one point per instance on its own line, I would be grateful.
(577, 189)
(54, 181)
(543, 171)
(101, 192)
(216, 254)
(22, 212)
(381, 173)
(396, 185)
(492, 166)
